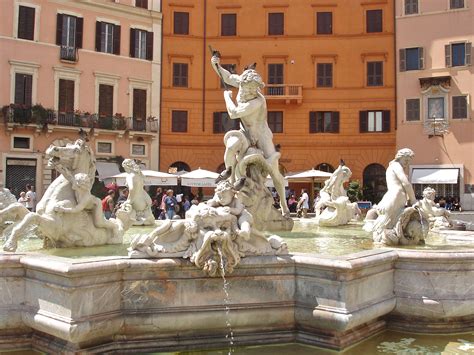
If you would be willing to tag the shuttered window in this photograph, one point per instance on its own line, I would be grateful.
(411, 59)
(374, 21)
(222, 123)
(411, 7)
(141, 44)
(374, 73)
(413, 109)
(459, 106)
(324, 75)
(23, 89)
(106, 100)
(180, 75)
(324, 122)
(276, 23)
(141, 3)
(69, 31)
(458, 54)
(275, 74)
(179, 121)
(228, 24)
(139, 104)
(374, 121)
(26, 22)
(324, 23)
(181, 23)
(275, 121)
(66, 96)
(107, 38)
(456, 4)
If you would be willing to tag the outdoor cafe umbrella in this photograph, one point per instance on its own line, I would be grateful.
(151, 178)
(311, 176)
(199, 178)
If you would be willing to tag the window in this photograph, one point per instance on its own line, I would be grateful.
(23, 89)
(435, 107)
(456, 4)
(275, 121)
(107, 38)
(413, 109)
(179, 121)
(141, 3)
(21, 142)
(324, 75)
(458, 54)
(374, 74)
(139, 104)
(180, 75)
(411, 59)
(69, 31)
(323, 122)
(411, 7)
(459, 106)
(324, 23)
(222, 123)
(66, 96)
(228, 24)
(104, 147)
(374, 21)
(26, 22)
(106, 100)
(275, 73)
(374, 121)
(374, 181)
(276, 22)
(181, 23)
(138, 149)
(141, 44)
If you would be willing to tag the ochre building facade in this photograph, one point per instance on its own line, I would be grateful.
(329, 73)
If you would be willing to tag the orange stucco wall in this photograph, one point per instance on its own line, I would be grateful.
(299, 49)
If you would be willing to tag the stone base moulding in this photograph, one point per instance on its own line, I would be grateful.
(103, 304)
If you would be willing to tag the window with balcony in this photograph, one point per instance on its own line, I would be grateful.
(69, 31)
(23, 89)
(275, 79)
(456, 4)
(411, 59)
(411, 7)
(222, 123)
(106, 103)
(228, 24)
(324, 75)
(181, 23)
(374, 121)
(26, 22)
(323, 122)
(275, 121)
(324, 23)
(374, 22)
(458, 54)
(180, 75)
(412, 109)
(139, 109)
(66, 102)
(107, 38)
(276, 23)
(141, 44)
(459, 107)
(141, 3)
(179, 121)
(374, 73)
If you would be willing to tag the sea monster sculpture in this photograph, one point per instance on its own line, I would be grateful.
(334, 207)
(232, 224)
(7, 199)
(66, 216)
(391, 221)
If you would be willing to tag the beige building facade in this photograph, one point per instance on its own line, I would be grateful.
(435, 84)
(68, 67)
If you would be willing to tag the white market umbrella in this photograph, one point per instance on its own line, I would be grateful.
(199, 178)
(309, 175)
(151, 178)
(269, 182)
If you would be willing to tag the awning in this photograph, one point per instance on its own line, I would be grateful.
(151, 177)
(106, 169)
(434, 176)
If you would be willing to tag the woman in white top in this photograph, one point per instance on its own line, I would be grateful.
(23, 200)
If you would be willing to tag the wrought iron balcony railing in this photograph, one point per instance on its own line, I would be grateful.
(68, 53)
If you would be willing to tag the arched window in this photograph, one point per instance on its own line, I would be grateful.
(328, 168)
(374, 181)
(178, 166)
(220, 168)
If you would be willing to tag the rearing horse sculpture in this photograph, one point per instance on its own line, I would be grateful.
(61, 229)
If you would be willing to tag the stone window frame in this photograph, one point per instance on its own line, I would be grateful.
(221, 23)
(66, 73)
(145, 145)
(136, 83)
(21, 67)
(16, 13)
(106, 79)
(12, 140)
(413, 13)
(420, 112)
(468, 107)
(108, 141)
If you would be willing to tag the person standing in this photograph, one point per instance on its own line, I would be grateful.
(170, 203)
(30, 198)
(304, 202)
(108, 204)
(23, 200)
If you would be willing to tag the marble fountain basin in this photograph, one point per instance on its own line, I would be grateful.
(334, 289)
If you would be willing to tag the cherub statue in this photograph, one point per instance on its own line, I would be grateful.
(438, 217)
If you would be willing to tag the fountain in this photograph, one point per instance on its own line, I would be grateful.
(88, 296)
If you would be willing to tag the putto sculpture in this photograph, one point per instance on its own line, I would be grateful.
(438, 217)
(334, 207)
(391, 221)
(67, 215)
(233, 223)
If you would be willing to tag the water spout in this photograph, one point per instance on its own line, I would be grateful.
(230, 334)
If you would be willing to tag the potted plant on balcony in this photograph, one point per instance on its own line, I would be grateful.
(153, 123)
(119, 122)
